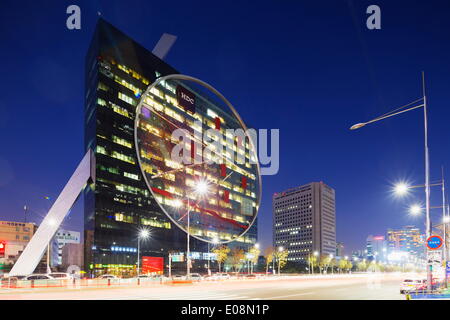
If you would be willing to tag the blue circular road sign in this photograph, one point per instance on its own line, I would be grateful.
(434, 242)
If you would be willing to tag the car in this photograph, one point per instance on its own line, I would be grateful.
(178, 277)
(108, 276)
(220, 276)
(196, 277)
(409, 285)
(61, 276)
(144, 276)
(38, 276)
(250, 276)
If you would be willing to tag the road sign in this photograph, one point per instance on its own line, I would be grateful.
(434, 242)
(435, 257)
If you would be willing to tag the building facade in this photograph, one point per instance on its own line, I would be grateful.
(376, 248)
(64, 237)
(119, 204)
(340, 249)
(14, 236)
(304, 221)
(72, 255)
(407, 240)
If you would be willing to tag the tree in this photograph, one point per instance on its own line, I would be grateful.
(348, 265)
(342, 265)
(268, 254)
(324, 262)
(221, 254)
(333, 263)
(362, 266)
(236, 257)
(312, 261)
(281, 257)
(253, 256)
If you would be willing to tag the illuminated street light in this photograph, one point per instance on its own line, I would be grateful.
(401, 189)
(446, 219)
(346, 257)
(143, 234)
(201, 188)
(415, 209)
(316, 253)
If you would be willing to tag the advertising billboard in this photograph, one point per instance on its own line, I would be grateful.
(152, 265)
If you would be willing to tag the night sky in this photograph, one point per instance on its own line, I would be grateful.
(309, 68)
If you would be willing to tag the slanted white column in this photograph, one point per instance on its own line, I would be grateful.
(30, 257)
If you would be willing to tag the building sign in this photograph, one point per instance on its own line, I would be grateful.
(2, 248)
(186, 99)
(153, 265)
(434, 242)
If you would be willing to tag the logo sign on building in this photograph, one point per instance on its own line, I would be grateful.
(186, 99)
(153, 265)
(434, 242)
(2, 248)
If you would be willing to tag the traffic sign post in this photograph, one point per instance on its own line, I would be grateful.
(434, 242)
(434, 255)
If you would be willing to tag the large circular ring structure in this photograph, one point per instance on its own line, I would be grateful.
(198, 159)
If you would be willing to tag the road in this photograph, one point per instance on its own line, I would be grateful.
(343, 287)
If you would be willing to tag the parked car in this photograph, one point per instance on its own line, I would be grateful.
(409, 285)
(250, 276)
(196, 277)
(108, 276)
(220, 276)
(178, 277)
(61, 275)
(38, 276)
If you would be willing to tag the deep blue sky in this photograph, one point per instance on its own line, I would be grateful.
(309, 68)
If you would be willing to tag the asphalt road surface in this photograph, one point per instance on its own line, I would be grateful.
(342, 287)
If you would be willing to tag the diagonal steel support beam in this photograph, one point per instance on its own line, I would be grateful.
(30, 257)
(163, 46)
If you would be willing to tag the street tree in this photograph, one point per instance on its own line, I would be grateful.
(237, 256)
(268, 255)
(221, 254)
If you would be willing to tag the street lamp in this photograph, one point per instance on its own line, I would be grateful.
(311, 263)
(201, 188)
(398, 111)
(401, 189)
(415, 209)
(280, 249)
(252, 263)
(215, 241)
(143, 234)
(51, 223)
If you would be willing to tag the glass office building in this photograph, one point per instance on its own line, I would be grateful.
(119, 204)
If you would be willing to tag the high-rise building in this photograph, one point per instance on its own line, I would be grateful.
(304, 220)
(408, 240)
(376, 248)
(340, 249)
(119, 204)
